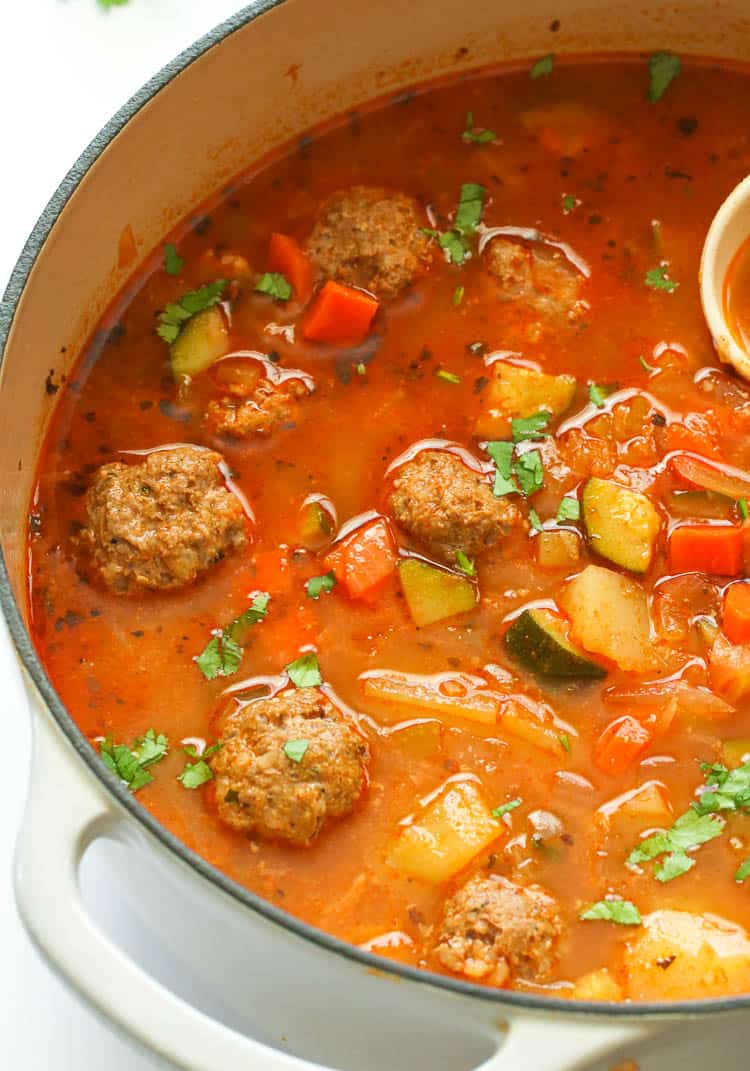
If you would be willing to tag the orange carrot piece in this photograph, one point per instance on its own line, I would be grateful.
(737, 613)
(621, 743)
(706, 548)
(286, 256)
(364, 559)
(339, 314)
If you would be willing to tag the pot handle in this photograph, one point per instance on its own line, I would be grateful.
(66, 810)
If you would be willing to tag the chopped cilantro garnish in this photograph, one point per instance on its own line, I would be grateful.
(295, 750)
(175, 315)
(223, 653)
(534, 521)
(470, 205)
(598, 393)
(361, 368)
(172, 262)
(476, 135)
(446, 376)
(504, 808)
(274, 284)
(458, 295)
(112, 3)
(663, 68)
(502, 454)
(316, 585)
(131, 764)
(196, 774)
(529, 471)
(532, 427)
(568, 510)
(645, 365)
(543, 66)
(743, 871)
(465, 563)
(304, 672)
(452, 244)
(623, 912)
(657, 279)
(564, 741)
(569, 202)
(742, 507)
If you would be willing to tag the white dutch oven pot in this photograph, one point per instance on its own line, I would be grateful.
(273, 994)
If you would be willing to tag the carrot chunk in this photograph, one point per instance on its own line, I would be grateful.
(737, 613)
(339, 314)
(621, 743)
(286, 256)
(364, 559)
(706, 548)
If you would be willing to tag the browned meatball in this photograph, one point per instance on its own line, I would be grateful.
(163, 522)
(537, 278)
(262, 789)
(369, 237)
(267, 407)
(494, 930)
(447, 507)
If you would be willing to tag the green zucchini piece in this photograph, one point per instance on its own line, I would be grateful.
(203, 340)
(538, 640)
(433, 594)
(621, 524)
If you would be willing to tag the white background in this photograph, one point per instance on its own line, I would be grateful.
(65, 67)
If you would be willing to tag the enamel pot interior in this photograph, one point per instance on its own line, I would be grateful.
(255, 83)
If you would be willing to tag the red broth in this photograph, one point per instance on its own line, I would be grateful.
(626, 189)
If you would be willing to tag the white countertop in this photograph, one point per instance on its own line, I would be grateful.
(65, 67)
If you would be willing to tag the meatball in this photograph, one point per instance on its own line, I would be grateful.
(536, 278)
(494, 930)
(447, 507)
(369, 237)
(262, 789)
(162, 523)
(267, 407)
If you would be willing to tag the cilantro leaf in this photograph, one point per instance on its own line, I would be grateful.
(645, 365)
(446, 376)
(504, 808)
(657, 279)
(742, 507)
(452, 244)
(131, 764)
(743, 871)
(568, 510)
(316, 585)
(564, 741)
(534, 521)
(673, 865)
(470, 205)
(690, 830)
(172, 262)
(532, 427)
(529, 471)
(475, 135)
(222, 655)
(196, 774)
(106, 4)
(663, 68)
(304, 672)
(465, 563)
(623, 912)
(458, 295)
(175, 316)
(275, 285)
(543, 66)
(569, 202)
(295, 750)
(597, 394)
(502, 454)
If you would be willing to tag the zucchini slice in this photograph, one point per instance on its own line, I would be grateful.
(203, 340)
(433, 594)
(621, 524)
(538, 640)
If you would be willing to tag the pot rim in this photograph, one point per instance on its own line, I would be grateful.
(33, 665)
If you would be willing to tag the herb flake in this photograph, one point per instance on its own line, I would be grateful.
(543, 67)
(465, 563)
(222, 655)
(172, 261)
(275, 285)
(505, 808)
(131, 764)
(568, 510)
(295, 750)
(175, 315)
(530, 428)
(317, 585)
(623, 912)
(658, 279)
(663, 68)
(304, 672)
(476, 135)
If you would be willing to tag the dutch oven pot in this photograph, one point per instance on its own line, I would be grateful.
(267, 991)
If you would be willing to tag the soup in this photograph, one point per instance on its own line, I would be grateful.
(390, 539)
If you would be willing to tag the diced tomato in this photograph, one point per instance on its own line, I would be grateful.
(272, 572)
(339, 314)
(737, 612)
(363, 560)
(621, 743)
(706, 548)
(286, 257)
(696, 432)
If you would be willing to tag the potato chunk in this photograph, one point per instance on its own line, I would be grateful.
(681, 956)
(444, 837)
(609, 616)
(518, 391)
